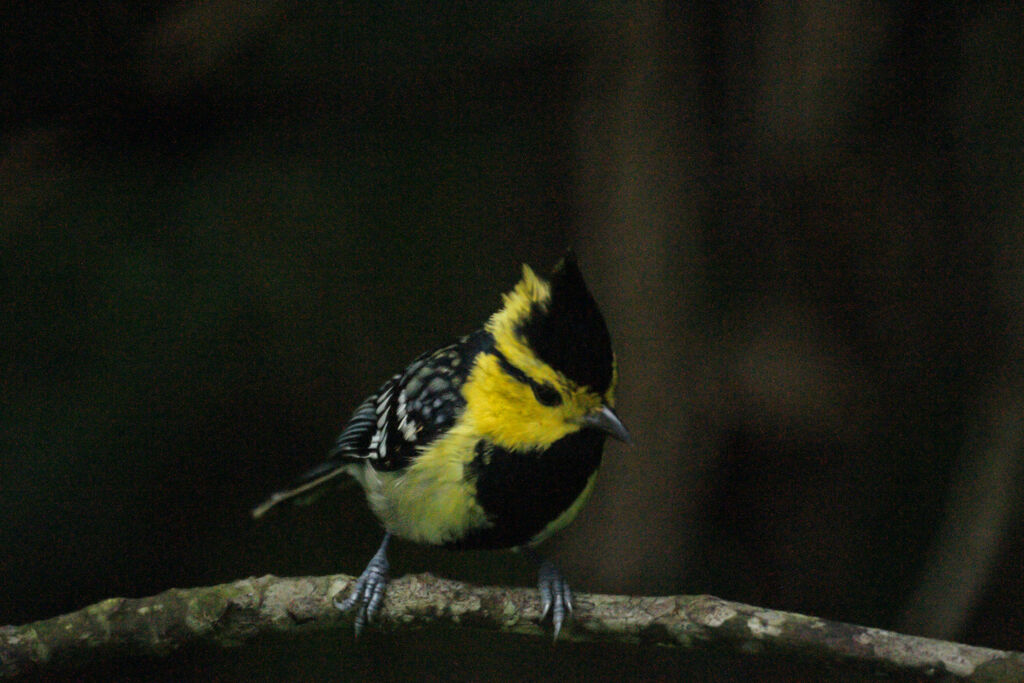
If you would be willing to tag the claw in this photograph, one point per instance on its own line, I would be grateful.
(555, 594)
(368, 593)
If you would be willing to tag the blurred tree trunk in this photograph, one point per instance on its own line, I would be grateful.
(639, 236)
(985, 494)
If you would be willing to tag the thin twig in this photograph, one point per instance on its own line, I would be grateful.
(230, 614)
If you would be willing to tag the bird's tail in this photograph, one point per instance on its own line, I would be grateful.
(306, 488)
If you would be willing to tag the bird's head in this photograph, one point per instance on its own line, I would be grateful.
(552, 371)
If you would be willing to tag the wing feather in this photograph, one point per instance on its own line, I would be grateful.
(389, 429)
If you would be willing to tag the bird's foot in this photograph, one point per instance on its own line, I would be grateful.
(555, 594)
(368, 593)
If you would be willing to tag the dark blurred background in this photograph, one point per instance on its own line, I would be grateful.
(223, 223)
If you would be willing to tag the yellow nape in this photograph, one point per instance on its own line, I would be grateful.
(609, 396)
(528, 291)
(504, 326)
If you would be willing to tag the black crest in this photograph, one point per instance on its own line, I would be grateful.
(570, 334)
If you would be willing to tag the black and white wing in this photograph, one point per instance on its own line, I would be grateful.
(411, 410)
(394, 424)
(358, 439)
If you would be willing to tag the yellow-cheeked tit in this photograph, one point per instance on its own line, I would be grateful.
(492, 442)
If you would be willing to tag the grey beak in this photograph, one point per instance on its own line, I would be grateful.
(607, 421)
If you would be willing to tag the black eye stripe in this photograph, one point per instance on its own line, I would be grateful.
(509, 368)
(545, 393)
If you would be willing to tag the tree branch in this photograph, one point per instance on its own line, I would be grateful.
(229, 614)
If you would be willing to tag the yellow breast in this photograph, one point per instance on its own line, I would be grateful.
(430, 502)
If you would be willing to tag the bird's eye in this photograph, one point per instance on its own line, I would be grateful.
(546, 394)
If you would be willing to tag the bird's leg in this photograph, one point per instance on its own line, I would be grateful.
(368, 592)
(555, 594)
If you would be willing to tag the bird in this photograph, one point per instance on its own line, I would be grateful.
(492, 442)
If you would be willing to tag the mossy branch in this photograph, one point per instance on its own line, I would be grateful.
(230, 614)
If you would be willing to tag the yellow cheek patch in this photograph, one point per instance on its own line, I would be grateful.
(502, 407)
(505, 411)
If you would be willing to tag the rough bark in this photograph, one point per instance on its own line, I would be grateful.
(230, 614)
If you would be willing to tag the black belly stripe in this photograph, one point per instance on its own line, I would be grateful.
(524, 492)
